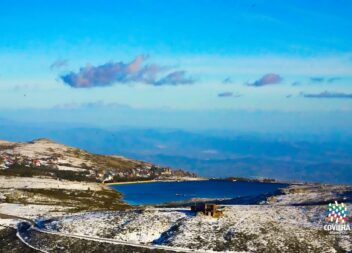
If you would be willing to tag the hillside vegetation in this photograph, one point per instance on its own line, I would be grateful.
(44, 157)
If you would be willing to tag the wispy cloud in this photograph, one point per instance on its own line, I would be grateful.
(90, 105)
(229, 94)
(174, 78)
(267, 79)
(333, 79)
(296, 83)
(225, 94)
(210, 151)
(59, 64)
(327, 94)
(135, 71)
(227, 80)
(324, 79)
(317, 79)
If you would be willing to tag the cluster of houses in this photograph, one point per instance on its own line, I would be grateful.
(7, 160)
(147, 171)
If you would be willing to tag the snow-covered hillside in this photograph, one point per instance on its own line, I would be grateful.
(249, 228)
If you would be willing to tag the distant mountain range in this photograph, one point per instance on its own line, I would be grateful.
(209, 154)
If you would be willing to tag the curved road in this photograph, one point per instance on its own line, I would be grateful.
(32, 226)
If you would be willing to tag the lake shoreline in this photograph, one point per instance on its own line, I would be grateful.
(157, 181)
(186, 179)
(176, 192)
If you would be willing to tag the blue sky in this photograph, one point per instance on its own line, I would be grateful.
(286, 56)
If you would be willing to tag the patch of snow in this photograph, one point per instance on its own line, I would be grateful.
(8, 223)
(2, 197)
(45, 183)
(31, 211)
(62, 167)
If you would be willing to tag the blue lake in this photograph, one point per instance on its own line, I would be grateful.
(163, 192)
